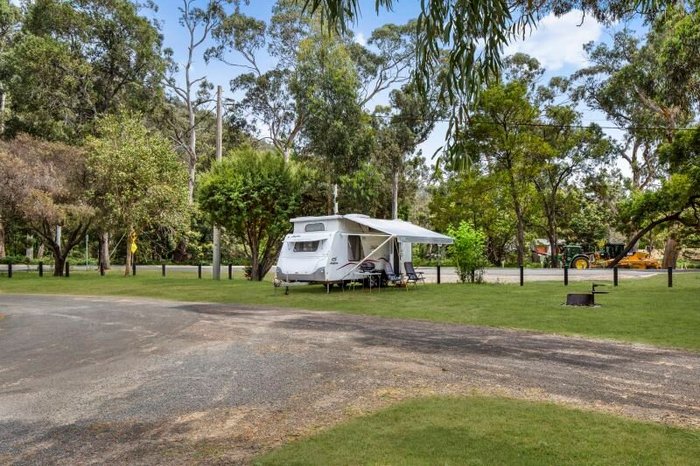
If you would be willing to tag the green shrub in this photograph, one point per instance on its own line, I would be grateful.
(468, 252)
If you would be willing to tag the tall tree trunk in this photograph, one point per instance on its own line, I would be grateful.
(29, 250)
(3, 253)
(520, 235)
(40, 251)
(59, 261)
(670, 253)
(553, 240)
(254, 263)
(103, 239)
(2, 111)
(192, 149)
(395, 195)
(129, 255)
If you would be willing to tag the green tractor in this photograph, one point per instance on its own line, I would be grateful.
(575, 257)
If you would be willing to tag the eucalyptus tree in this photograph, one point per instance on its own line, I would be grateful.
(267, 99)
(469, 37)
(401, 126)
(325, 86)
(10, 17)
(477, 198)
(74, 61)
(568, 150)
(194, 91)
(499, 139)
(651, 87)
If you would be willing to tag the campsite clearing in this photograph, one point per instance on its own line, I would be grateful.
(124, 380)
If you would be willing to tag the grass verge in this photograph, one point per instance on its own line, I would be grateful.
(642, 310)
(491, 431)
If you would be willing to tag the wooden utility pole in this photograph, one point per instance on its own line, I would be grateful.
(216, 263)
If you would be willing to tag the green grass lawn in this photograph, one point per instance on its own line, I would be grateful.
(642, 310)
(491, 431)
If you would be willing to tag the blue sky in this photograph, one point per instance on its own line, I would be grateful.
(557, 43)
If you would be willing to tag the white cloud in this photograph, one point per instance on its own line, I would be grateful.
(558, 42)
(360, 39)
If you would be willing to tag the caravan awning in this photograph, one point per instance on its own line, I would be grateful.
(404, 231)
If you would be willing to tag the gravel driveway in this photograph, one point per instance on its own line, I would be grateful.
(97, 380)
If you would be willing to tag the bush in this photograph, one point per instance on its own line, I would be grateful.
(468, 252)
(15, 260)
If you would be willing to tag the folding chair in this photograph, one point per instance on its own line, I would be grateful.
(391, 277)
(411, 274)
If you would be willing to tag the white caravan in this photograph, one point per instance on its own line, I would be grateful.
(331, 249)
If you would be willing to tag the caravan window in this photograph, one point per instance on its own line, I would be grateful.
(355, 252)
(306, 246)
(314, 227)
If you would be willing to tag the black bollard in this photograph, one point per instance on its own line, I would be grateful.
(162, 269)
(67, 269)
(230, 271)
(670, 277)
(41, 269)
(133, 268)
(9, 270)
(522, 275)
(615, 276)
(199, 270)
(438, 274)
(566, 276)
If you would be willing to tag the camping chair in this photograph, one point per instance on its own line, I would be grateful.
(411, 274)
(391, 277)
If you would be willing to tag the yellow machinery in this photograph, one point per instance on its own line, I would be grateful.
(639, 260)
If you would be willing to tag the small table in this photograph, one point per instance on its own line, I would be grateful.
(369, 276)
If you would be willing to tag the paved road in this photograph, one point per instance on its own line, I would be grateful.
(132, 380)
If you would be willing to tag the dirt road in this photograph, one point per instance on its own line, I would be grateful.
(133, 380)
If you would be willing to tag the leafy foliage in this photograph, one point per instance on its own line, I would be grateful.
(75, 61)
(252, 194)
(468, 37)
(468, 252)
(44, 186)
(136, 179)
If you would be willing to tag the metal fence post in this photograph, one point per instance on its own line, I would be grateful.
(670, 277)
(566, 276)
(9, 270)
(230, 271)
(41, 269)
(438, 274)
(615, 276)
(162, 269)
(522, 275)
